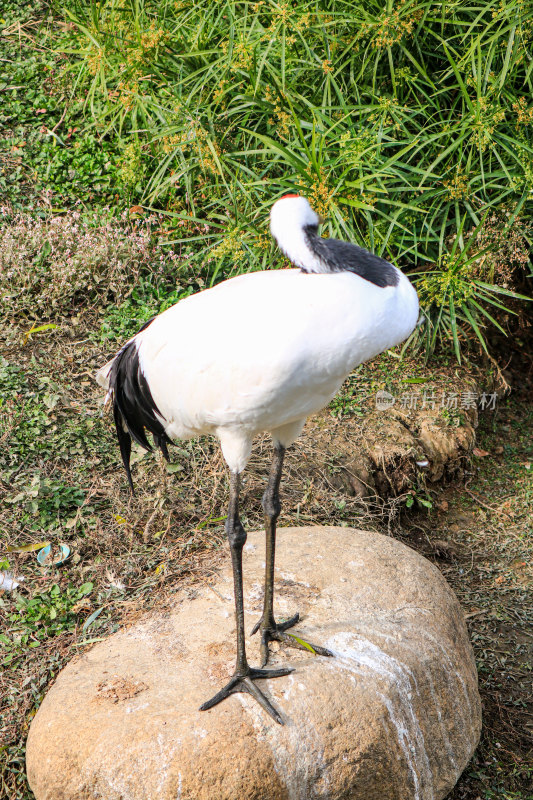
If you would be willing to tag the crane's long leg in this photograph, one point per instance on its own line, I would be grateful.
(244, 675)
(269, 628)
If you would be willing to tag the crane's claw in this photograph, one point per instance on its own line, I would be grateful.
(275, 631)
(245, 683)
(280, 626)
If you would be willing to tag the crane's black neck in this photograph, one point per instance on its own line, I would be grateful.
(338, 256)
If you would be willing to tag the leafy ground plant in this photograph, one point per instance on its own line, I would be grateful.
(404, 124)
(41, 616)
(459, 301)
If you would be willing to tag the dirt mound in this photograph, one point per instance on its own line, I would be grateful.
(400, 442)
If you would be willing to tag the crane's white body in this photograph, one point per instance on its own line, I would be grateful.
(263, 351)
(259, 353)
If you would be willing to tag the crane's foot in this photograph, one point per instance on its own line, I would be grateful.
(275, 631)
(245, 683)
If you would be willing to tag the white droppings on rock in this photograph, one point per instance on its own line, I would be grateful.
(299, 761)
(287, 576)
(451, 666)
(359, 655)
(287, 690)
(133, 708)
(298, 754)
(255, 592)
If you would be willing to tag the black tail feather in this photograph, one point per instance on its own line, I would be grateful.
(161, 443)
(124, 441)
(134, 407)
(125, 398)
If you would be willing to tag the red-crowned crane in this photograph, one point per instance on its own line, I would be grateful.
(259, 352)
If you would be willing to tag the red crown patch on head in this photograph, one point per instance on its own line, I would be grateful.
(289, 195)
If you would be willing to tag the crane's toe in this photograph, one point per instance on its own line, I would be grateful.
(280, 626)
(245, 683)
(276, 631)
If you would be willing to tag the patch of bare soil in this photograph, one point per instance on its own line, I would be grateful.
(117, 689)
(384, 453)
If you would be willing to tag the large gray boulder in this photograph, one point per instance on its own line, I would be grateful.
(394, 716)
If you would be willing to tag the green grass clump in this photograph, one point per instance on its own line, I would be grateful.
(405, 124)
(121, 322)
